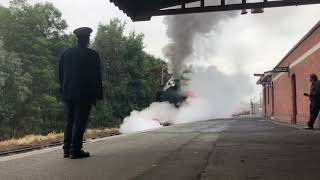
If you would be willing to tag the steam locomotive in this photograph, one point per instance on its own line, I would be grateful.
(172, 93)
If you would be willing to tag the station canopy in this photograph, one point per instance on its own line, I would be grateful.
(143, 10)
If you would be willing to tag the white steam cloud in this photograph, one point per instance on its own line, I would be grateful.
(149, 118)
(222, 92)
(215, 95)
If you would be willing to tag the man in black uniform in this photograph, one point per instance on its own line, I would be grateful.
(314, 97)
(81, 86)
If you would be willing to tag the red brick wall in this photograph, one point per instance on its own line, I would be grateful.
(283, 95)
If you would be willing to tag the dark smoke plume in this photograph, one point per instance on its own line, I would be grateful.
(182, 31)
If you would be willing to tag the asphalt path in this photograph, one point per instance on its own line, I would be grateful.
(222, 149)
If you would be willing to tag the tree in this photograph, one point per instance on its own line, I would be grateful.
(36, 35)
(14, 89)
(129, 73)
(33, 38)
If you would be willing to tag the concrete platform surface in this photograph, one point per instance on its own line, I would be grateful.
(224, 149)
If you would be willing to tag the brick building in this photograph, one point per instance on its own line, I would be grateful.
(283, 98)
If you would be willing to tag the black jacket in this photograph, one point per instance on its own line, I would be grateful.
(315, 93)
(80, 76)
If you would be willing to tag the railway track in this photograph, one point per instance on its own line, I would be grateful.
(28, 148)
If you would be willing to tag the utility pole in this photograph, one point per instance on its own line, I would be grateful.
(251, 106)
(252, 110)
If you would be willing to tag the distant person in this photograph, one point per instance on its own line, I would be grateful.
(314, 98)
(81, 86)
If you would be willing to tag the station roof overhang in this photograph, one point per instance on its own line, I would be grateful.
(143, 10)
(266, 78)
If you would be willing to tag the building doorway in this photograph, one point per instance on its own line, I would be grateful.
(294, 99)
(272, 99)
(265, 100)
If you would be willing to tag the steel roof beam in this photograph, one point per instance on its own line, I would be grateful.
(226, 7)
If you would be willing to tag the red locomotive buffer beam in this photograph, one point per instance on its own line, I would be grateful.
(142, 10)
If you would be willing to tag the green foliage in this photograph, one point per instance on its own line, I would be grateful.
(35, 33)
(32, 38)
(14, 89)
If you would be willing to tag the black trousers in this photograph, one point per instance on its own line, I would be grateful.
(314, 111)
(76, 118)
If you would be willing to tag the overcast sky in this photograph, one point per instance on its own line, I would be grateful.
(252, 43)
